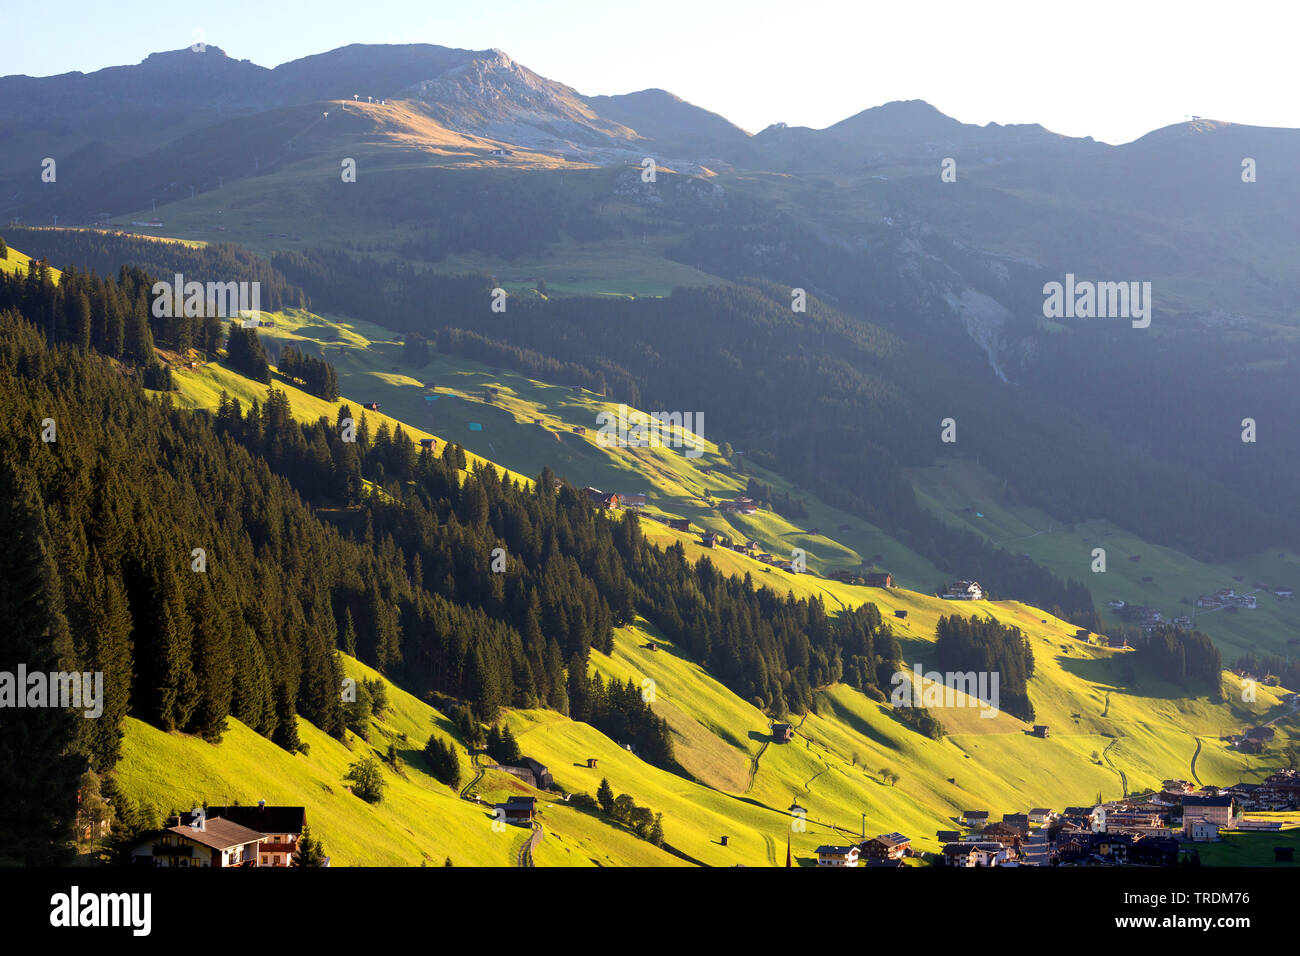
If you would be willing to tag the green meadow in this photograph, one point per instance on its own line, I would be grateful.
(956, 490)
(851, 768)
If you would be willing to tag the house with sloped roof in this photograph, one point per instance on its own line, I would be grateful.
(837, 855)
(1007, 834)
(211, 842)
(601, 499)
(971, 854)
(963, 591)
(517, 811)
(281, 828)
(1222, 811)
(887, 846)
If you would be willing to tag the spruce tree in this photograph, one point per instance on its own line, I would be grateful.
(38, 767)
(310, 850)
(657, 830)
(510, 754)
(108, 623)
(349, 634)
(214, 670)
(605, 796)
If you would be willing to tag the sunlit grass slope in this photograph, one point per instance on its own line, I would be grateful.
(1110, 731)
(968, 496)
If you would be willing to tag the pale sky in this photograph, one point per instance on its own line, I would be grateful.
(1111, 70)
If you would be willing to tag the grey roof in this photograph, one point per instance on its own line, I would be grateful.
(1190, 801)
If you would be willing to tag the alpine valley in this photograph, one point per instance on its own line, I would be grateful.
(903, 551)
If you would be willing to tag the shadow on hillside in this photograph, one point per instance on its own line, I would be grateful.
(914, 648)
(857, 724)
(1108, 674)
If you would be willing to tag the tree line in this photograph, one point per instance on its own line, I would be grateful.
(987, 646)
(213, 566)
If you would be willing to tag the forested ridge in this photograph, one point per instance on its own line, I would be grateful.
(211, 565)
(105, 253)
(786, 387)
(986, 646)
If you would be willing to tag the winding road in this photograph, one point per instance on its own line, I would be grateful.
(1123, 777)
(465, 791)
(526, 851)
(753, 765)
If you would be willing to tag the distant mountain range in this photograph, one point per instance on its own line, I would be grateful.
(944, 233)
(485, 93)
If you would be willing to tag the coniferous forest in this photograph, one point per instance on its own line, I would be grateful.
(332, 537)
(986, 646)
(212, 566)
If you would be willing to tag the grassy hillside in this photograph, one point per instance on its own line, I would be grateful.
(1106, 738)
(298, 198)
(743, 786)
(957, 490)
(1111, 732)
(419, 820)
(17, 263)
(531, 424)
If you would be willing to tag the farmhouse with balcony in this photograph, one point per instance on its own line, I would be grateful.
(963, 591)
(225, 837)
(281, 828)
(887, 846)
(220, 843)
(608, 501)
(974, 854)
(837, 856)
